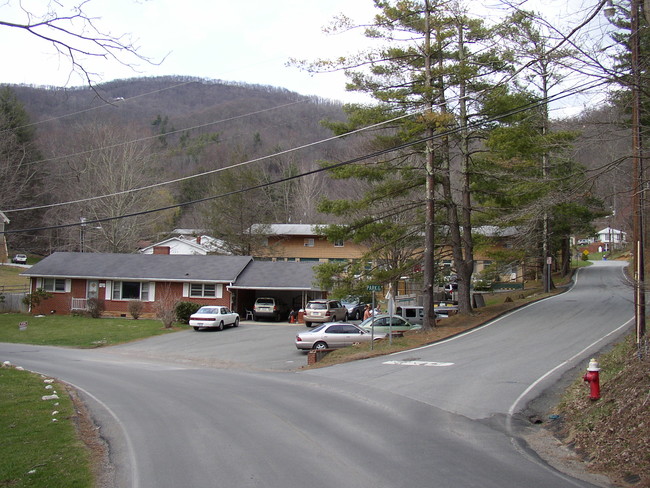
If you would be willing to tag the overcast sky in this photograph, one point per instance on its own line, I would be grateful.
(248, 41)
(216, 39)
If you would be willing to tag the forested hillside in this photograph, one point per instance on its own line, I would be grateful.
(140, 132)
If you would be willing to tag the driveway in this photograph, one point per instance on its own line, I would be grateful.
(253, 346)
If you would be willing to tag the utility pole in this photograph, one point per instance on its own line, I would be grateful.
(637, 184)
(429, 229)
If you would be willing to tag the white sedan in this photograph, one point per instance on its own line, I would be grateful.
(214, 317)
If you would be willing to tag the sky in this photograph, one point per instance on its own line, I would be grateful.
(248, 42)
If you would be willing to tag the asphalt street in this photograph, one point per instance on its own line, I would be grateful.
(228, 409)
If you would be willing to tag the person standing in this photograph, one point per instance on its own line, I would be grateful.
(367, 313)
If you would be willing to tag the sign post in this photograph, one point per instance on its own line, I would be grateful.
(373, 289)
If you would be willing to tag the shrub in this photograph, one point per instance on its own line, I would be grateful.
(95, 307)
(135, 308)
(184, 310)
(35, 298)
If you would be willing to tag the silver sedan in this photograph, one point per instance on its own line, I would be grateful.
(334, 335)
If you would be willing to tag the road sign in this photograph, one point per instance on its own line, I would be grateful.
(373, 287)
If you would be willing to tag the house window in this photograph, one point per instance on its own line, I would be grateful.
(54, 285)
(338, 243)
(130, 290)
(203, 290)
(309, 242)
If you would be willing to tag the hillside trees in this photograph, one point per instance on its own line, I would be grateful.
(114, 168)
(20, 179)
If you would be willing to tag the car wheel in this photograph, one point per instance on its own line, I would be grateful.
(308, 324)
(197, 328)
(236, 324)
(320, 345)
(220, 326)
(345, 317)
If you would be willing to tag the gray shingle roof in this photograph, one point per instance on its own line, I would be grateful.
(278, 275)
(154, 267)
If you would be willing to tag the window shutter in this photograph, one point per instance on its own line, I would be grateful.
(108, 294)
(186, 290)
(68, 285)
(152, 291)
(39, 283)
(219, 291)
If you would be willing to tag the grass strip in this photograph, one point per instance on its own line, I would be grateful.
(40, 445)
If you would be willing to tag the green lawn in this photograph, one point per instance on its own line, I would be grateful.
(36, 450)
(76, 331)
(40, 446)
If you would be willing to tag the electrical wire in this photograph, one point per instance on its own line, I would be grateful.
(523, 108)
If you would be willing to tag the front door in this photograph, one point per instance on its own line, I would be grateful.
(92, 289)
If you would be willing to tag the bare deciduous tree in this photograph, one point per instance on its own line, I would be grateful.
(103, 164)
(165, 306)
(74, 34)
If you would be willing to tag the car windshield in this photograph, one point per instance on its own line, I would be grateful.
(265, 301)
(317, 306)
(208, 310)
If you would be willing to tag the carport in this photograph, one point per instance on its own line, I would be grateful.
(292, 282)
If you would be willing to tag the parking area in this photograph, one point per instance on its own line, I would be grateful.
(254, 346)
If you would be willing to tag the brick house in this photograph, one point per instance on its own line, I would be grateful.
(116, 279)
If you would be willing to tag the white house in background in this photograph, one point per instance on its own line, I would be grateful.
(611, 236)
(199, 245)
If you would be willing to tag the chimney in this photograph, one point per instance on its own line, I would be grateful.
(161, 250)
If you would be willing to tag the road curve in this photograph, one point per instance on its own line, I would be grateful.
(437, 416)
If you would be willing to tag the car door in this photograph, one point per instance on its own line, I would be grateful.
(398, 324)
(338, 310)
(352, 335)
(334, 336)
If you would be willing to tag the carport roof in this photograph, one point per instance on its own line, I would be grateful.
(277, 275)
(154, 267)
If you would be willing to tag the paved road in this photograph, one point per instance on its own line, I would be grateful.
(443, 416)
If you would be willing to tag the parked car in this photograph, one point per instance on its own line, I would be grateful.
(214, 317)
(19, 259)
(355, 307)
(382, 324)
(335, 335)
(324, 311)
(269, 308)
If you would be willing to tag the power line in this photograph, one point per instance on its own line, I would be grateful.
(523, 108)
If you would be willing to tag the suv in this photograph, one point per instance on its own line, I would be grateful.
(20, 259)
(324, 311)
(268, 308)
